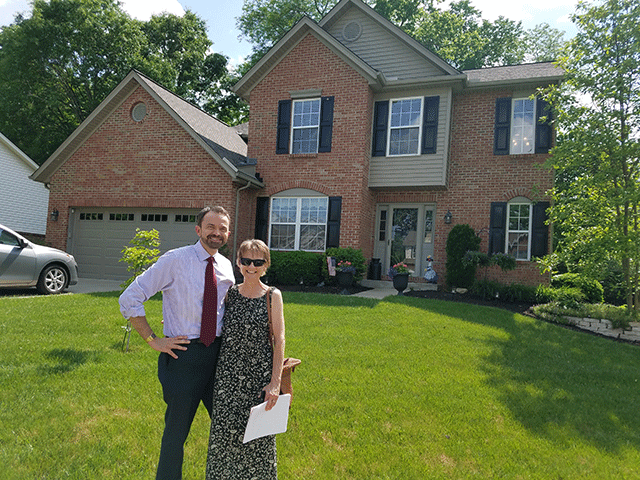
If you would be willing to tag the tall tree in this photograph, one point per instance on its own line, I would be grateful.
(597, 159)
(543, 43)
(57, 65)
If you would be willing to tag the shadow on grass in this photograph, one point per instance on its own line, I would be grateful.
(559, 384)
(67, 360)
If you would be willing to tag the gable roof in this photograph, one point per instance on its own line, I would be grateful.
(221, 141)
(19, 153)
(538, 73)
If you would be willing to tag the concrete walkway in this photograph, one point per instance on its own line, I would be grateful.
(379, 289)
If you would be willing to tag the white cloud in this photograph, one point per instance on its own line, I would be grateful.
(144, 9)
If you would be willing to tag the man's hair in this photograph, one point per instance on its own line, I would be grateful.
(217, 210)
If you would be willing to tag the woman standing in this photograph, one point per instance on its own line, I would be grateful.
(249, 366)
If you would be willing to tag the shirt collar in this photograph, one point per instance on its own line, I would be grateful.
(202, 254)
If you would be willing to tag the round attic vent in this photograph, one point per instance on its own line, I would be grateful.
(138, 112)
(352, 31)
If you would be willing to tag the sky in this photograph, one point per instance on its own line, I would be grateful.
(220, 16)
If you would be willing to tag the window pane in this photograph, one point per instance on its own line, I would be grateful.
(283, 210)
(404, 141)
(523, 126)
(405, 113)
(283, 237)
(305, 140)
(313, 210)
(518, 245)
(312, 237)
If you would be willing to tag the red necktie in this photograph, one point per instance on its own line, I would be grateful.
(209, 305)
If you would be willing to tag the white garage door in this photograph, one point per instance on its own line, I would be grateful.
(97, 236)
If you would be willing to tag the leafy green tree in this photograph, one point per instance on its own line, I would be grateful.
(543, 43)
(597, 109)
(58, 65)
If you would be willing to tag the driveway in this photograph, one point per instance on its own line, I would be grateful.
(84, 285)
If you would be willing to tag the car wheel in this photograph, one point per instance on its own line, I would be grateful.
(53, 279)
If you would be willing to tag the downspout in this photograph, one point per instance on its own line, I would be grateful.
(235, 223)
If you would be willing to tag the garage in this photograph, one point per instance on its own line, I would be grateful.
(98, 235)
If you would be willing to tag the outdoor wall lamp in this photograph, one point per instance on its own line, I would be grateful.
(54, 215)
(447, 217)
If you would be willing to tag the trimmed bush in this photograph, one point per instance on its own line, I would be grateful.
(591, 289)
(462, 238)
(291, 268)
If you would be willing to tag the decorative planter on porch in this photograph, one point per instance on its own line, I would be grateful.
(345, 280)
(400, 282)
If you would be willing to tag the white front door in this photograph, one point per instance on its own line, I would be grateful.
(404, 233)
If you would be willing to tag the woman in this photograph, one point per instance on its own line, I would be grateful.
(249, 368)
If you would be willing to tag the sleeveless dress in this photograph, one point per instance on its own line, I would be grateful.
(244, 369)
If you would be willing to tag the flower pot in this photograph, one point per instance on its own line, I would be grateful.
(345, 280)
(400, 282)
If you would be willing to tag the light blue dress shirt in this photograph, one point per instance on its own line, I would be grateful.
(179, 275)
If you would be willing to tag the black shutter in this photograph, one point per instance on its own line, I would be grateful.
(284, 125)
(326, 124)
(380, 120)
(430, 125)
(502, 132)
(333, 222)
(497, 227)
(262, 219)
(543, 127)
(539, 230)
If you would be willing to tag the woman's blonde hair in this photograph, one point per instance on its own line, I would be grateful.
(256, 245)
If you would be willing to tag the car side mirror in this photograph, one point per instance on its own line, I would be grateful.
(22, 243)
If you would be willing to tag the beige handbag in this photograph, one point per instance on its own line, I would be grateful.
(289, 365)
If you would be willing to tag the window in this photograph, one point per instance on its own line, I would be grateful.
(518, 230)
(404, 126)
(298, 223)
(90, 216)
(154, 217)
(306, 123)
(305, 126)
(407, 126)
(121, 217)
(523, 127)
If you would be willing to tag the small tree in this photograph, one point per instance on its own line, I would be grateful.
(142, 253)
(461, 239)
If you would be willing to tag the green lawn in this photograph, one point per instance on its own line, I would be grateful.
(405, 388)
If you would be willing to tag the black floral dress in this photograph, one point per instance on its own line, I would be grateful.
(244, 369)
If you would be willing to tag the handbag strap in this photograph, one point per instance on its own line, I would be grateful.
(271, 339)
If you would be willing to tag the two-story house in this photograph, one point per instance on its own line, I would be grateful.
(358, 137)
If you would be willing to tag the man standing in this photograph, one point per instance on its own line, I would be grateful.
(194, 281)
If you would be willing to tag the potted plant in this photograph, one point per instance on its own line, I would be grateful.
(399, 273)
(344, 274)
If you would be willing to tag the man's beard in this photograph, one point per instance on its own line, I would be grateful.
(213, 242)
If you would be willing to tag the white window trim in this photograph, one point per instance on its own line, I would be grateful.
(298, 223)
(511, 129)
(294, 128)
(389, 128)
(519, 201)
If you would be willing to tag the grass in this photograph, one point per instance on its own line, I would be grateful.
(404, 388)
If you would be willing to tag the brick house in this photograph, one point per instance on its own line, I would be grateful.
(358, 137)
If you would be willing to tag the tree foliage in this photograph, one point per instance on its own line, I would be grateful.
(57, 65)
(458, 34)
(597, 192)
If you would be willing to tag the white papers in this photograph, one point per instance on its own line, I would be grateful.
(263, 422)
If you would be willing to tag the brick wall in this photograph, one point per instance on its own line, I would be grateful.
(153, 163)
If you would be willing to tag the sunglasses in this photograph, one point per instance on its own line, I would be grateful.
(258, 262)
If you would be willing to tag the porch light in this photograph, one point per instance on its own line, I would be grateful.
(447, 217)
(54, 215)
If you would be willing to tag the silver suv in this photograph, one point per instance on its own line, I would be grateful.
(26, 264)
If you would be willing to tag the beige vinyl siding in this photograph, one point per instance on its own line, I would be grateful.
(418, 170)
(383, 50)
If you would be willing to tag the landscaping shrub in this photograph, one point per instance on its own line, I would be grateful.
(591, 288)
(355, 256)
(518, 293)
(612, 281)
(461, 239)
(486, 289)
(290, 268)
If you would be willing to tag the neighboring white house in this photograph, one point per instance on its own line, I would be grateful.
(23, 202)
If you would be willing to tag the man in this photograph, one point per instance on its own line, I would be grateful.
(187, 362)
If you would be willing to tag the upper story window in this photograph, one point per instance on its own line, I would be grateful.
(522, 126)
(305, 126)
(406, 126)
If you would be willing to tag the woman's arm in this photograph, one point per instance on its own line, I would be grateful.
(272, 390)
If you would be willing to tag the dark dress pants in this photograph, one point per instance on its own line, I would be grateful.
(186, 381)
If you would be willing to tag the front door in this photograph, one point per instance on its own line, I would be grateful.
(405, 233)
